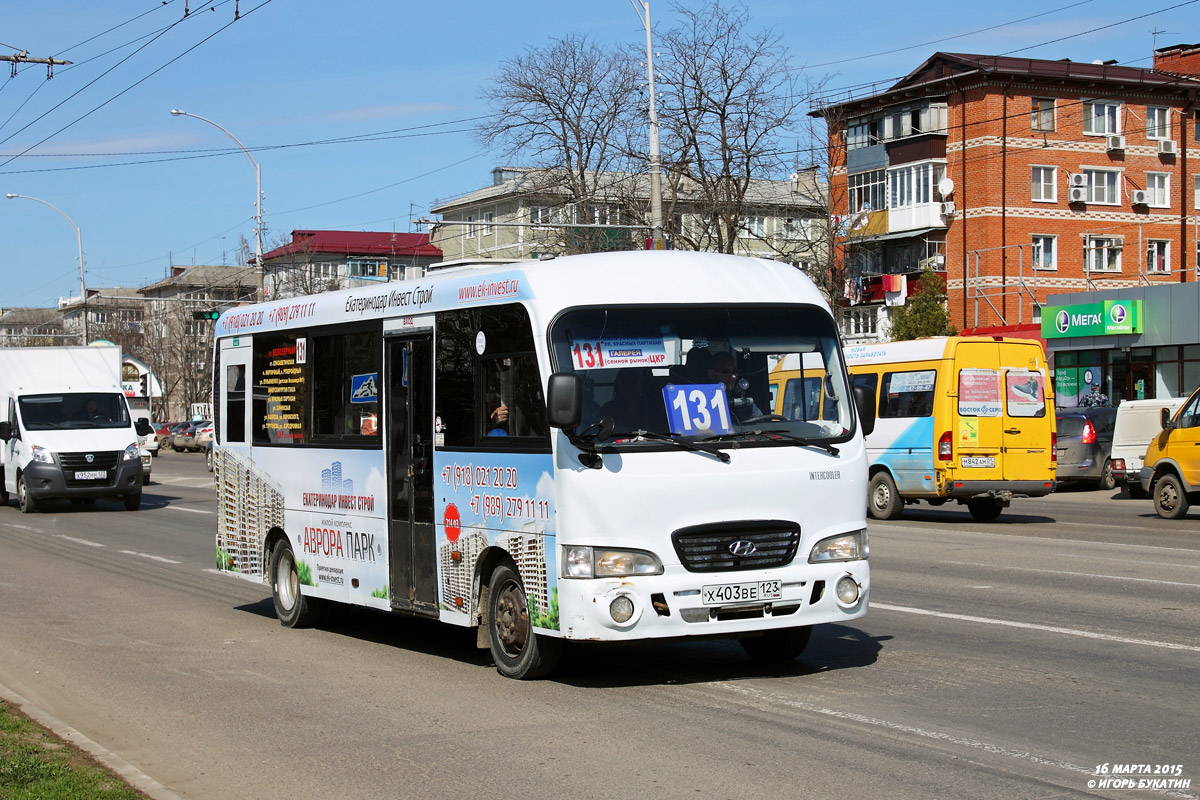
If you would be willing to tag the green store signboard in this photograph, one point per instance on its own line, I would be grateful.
(1092, 319)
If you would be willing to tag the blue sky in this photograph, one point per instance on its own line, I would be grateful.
(401, 79)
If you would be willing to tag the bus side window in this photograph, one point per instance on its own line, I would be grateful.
(907, 394)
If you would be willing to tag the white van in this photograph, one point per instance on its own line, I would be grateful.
(1138, 422)
(66, 427)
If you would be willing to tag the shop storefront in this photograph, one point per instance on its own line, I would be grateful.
(1135, 344)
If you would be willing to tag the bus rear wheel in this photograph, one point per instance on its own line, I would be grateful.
(518, 651)
(291, 606)
(883, 501)
(782, 645)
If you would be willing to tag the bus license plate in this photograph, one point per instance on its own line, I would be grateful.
(91, 475)
(725, 593)
(979, 461)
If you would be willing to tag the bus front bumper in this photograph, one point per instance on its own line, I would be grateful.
(673, 605)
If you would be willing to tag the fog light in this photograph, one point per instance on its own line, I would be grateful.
(621, 609)
(847, 590)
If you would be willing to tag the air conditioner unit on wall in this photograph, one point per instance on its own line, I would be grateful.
(1167, 147)
(1115, 143)
(1078, 194)
(1141, 197)
(947, 209)
(1079, 179)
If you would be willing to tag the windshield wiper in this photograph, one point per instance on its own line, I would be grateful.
(775, 434)
(683, 444)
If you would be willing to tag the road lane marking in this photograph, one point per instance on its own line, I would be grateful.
(923, 732)
(151, 557)
(1008, 623)
(79, 541)
(1073, 574)
(191, 510)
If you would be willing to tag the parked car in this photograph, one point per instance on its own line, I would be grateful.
(165, 431)
(204, 435)
(1138, 423)
(1085, 437)
(184, 439)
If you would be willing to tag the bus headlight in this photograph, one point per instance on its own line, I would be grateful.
(39, 453)
(133, 452)
(843, 547)
(589, 562)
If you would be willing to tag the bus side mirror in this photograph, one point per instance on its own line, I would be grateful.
(1164, 417)
(143, 426)
(864, 401)
(5, 430)
(564, 400)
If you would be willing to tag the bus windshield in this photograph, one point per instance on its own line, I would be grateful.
(704, 372)
(40, 412)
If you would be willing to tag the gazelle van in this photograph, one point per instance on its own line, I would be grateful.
(66, 428)
(969, 419)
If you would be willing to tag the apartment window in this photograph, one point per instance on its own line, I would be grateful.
(1043, 182)
(1158, 256)
(472, 228)
(366, 268)
(1158, 124)
(1045, 252)
(867, 191)
(753, 227)
(1043, 114)
(1158, 189)
(1101, 117)
(1196, 193)
(487, 223)
(539, 215)
(1104, 186)
(1102, 254)
(796, 228)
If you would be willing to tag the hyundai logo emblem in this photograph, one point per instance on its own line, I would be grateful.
(89, 458)
(743, 548)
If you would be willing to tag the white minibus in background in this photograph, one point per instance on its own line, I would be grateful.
(572, 449)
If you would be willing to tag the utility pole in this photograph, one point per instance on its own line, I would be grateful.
(23, 58)
(642, 7)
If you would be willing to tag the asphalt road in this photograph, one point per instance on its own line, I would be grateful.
(999, 660)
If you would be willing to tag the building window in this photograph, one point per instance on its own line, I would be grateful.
(1043, 114)
(539, 215)
(1158, 256)
(867, 191)
(797, 228)
(1102, 254)
(1044, 188)
(1101, 117)
(1045, 252)
(472, 228)
(487, 223)
(753, 227)
(1104, 186)
(1158, 189)
(366, 268)
(1158, 124)
(859, 322)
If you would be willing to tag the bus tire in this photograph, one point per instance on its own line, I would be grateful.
(780, 645)
(984, 509)
(518, 652)
(291, 606)
(1170, 500)
(883, 501)
(24, 499)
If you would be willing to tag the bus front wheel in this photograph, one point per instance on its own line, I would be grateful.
(781, 645)
(291, 606)
(883, 500)
(519, 652)
(1170, 501)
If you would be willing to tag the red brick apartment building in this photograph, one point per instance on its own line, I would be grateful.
(1017, 178)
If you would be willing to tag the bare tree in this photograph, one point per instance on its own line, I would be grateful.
(728, 98)
(570, 108)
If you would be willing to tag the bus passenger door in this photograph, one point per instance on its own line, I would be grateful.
(409, 420)
(233, 413)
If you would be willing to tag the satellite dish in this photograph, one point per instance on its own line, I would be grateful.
(945, 187)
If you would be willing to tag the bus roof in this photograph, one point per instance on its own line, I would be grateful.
(937, 347)
(601, 279)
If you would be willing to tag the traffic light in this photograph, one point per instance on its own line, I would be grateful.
(145, 385)
(210, 314)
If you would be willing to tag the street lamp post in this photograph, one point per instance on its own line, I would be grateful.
(79, 243)
(656, 221)
(258, 243)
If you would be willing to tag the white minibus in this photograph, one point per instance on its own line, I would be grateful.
(567, 449)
